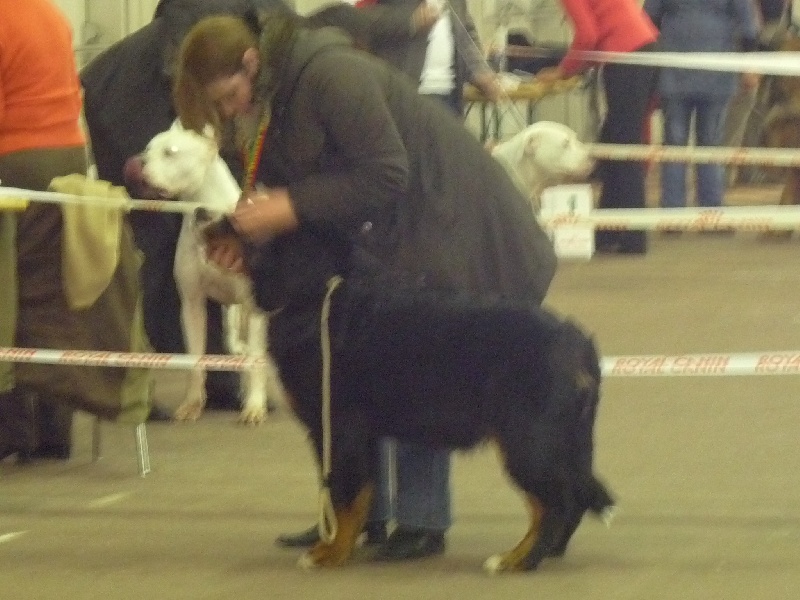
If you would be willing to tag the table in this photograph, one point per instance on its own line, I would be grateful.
(530, 92)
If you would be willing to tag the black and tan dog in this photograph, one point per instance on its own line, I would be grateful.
(445, 370)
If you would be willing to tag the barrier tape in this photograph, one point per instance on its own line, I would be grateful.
(770, 157)
(763, 363)
(765, 63)
(17, 198)
(739, 218)
(18, 195)
(100, 358)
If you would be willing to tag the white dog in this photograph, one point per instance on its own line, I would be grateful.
(544, 154)
(185, 165)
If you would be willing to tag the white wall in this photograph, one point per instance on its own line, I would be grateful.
(98, 23)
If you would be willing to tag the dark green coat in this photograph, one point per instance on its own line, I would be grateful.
(368, 160)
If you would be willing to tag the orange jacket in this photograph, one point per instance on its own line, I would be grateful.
(40, 96)
(606, 25)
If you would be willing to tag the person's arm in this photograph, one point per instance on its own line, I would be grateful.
(371, 171)
(748, 23)
(749, 20)
(372, 26)
(585, 36)
(470, 49)
(654, 10)
(373, 168)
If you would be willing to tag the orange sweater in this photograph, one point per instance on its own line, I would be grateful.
(40, 96)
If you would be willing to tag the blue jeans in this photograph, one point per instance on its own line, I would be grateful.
(709, 114)
(418, 496)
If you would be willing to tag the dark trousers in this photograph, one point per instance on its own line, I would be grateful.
(27, 421)
(628, 89)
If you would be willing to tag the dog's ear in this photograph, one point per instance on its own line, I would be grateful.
(532, 142)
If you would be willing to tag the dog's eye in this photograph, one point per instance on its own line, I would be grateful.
(171, 151)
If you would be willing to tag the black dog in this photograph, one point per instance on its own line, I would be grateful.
(447, 370)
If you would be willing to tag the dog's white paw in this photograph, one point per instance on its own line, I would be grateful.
(189, 411)
(252, 416)
(306, 562)
(494, 564)
(608, 515)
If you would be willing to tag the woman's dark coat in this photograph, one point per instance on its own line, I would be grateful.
(369, 160)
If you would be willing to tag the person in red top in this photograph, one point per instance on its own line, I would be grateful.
(615, 26)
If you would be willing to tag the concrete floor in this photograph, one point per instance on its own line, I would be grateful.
(705, 470)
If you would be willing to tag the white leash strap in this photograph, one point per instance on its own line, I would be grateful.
(327, 518)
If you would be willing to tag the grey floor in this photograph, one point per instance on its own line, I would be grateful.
(705, 469)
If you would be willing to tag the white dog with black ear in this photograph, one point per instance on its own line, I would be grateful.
(185, 165)
(544, 154)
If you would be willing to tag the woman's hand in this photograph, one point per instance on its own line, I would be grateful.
(262, 214)
(424, 16)
(489, 84)
(226, 252)
(750, 81)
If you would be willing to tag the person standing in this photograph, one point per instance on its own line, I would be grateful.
(699, 26)
(41, 139)
(439, 48)
(615, 26)
(353, 157)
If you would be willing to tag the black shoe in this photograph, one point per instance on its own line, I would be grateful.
(374, 534)
(18, 426)
(620, 242)
(50, 452)
(409, 543)
(21, 457)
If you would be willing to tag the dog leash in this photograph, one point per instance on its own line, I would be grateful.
(328, 524)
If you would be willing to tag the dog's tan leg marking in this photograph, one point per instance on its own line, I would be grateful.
(514, 559)
(350, 522)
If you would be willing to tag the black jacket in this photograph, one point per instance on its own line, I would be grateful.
(369, 162)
